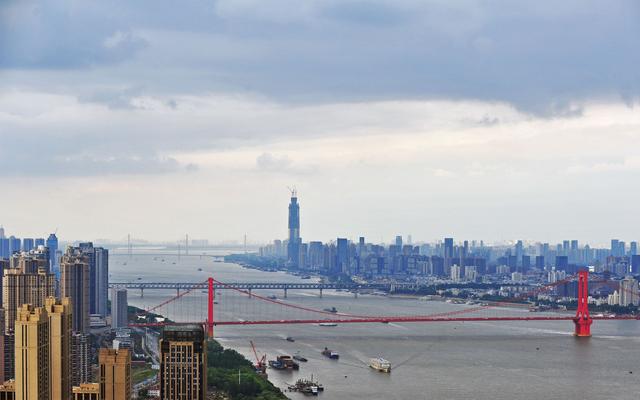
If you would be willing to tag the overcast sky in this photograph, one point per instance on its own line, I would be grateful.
(491, 120)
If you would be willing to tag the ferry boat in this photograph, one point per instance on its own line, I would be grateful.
(380, 364)
(327, 324)
(331, 310)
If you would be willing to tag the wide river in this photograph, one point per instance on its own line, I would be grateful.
(470, 360)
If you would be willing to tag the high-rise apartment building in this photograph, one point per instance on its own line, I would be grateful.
(293, 245)
(98, 260)
(80, 358)
(59, 316)
(629, 292)
(86, 391)
(33, 380)
(100, 275)
(183, 353)
(32, 261)
(19, 288)
(42, 351)
(75, 285)
(119, 307)
(115, 374)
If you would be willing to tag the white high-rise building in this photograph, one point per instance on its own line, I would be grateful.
(629, 293)
(470, 273)
(455, 273)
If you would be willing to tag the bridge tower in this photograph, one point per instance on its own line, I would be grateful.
(582, 319)
(210, 304)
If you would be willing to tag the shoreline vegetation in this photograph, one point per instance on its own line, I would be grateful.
(230, 376)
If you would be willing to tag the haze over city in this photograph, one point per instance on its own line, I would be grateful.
(480, 120)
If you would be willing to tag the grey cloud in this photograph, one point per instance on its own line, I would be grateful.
(269, 162)
(58, 35)
(81, 156)
(534, 55)
(113, 98)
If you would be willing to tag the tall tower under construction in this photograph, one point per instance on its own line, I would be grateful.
(293, 246)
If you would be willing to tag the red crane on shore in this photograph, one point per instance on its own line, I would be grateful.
(261, 362)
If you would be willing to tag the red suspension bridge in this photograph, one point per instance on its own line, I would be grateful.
(190, 305)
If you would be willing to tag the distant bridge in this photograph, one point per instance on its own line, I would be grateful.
(258, 285)
(250, 286)
(166, 254)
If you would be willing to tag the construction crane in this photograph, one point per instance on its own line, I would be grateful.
(261, 362)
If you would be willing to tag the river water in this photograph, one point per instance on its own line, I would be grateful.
(470, 360)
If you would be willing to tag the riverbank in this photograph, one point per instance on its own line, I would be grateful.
(230, 376)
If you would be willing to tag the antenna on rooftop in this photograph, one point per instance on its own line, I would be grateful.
(294, 191)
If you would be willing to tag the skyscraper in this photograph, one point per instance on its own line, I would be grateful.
(101, 279)
(115, 374)
(52, 244)
(59, 316)
(15, 245)
(80, 371)
(119, 308)
(629, 292)
(28, 244)
(183, 353)
(342, 261)
(75, 285)
(19, 288)
(293, 246)
(32, 354)
(98, 260)
(4, 248)
(1, 232)
(42, 351)
(448, 254)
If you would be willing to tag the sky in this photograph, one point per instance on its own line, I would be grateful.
(494, 120)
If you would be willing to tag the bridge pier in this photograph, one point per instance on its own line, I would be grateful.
(178, 291)
(355, 294)
(250, 295)
(320, 292)
(285, 293)
(582, 319)
(141, 292)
